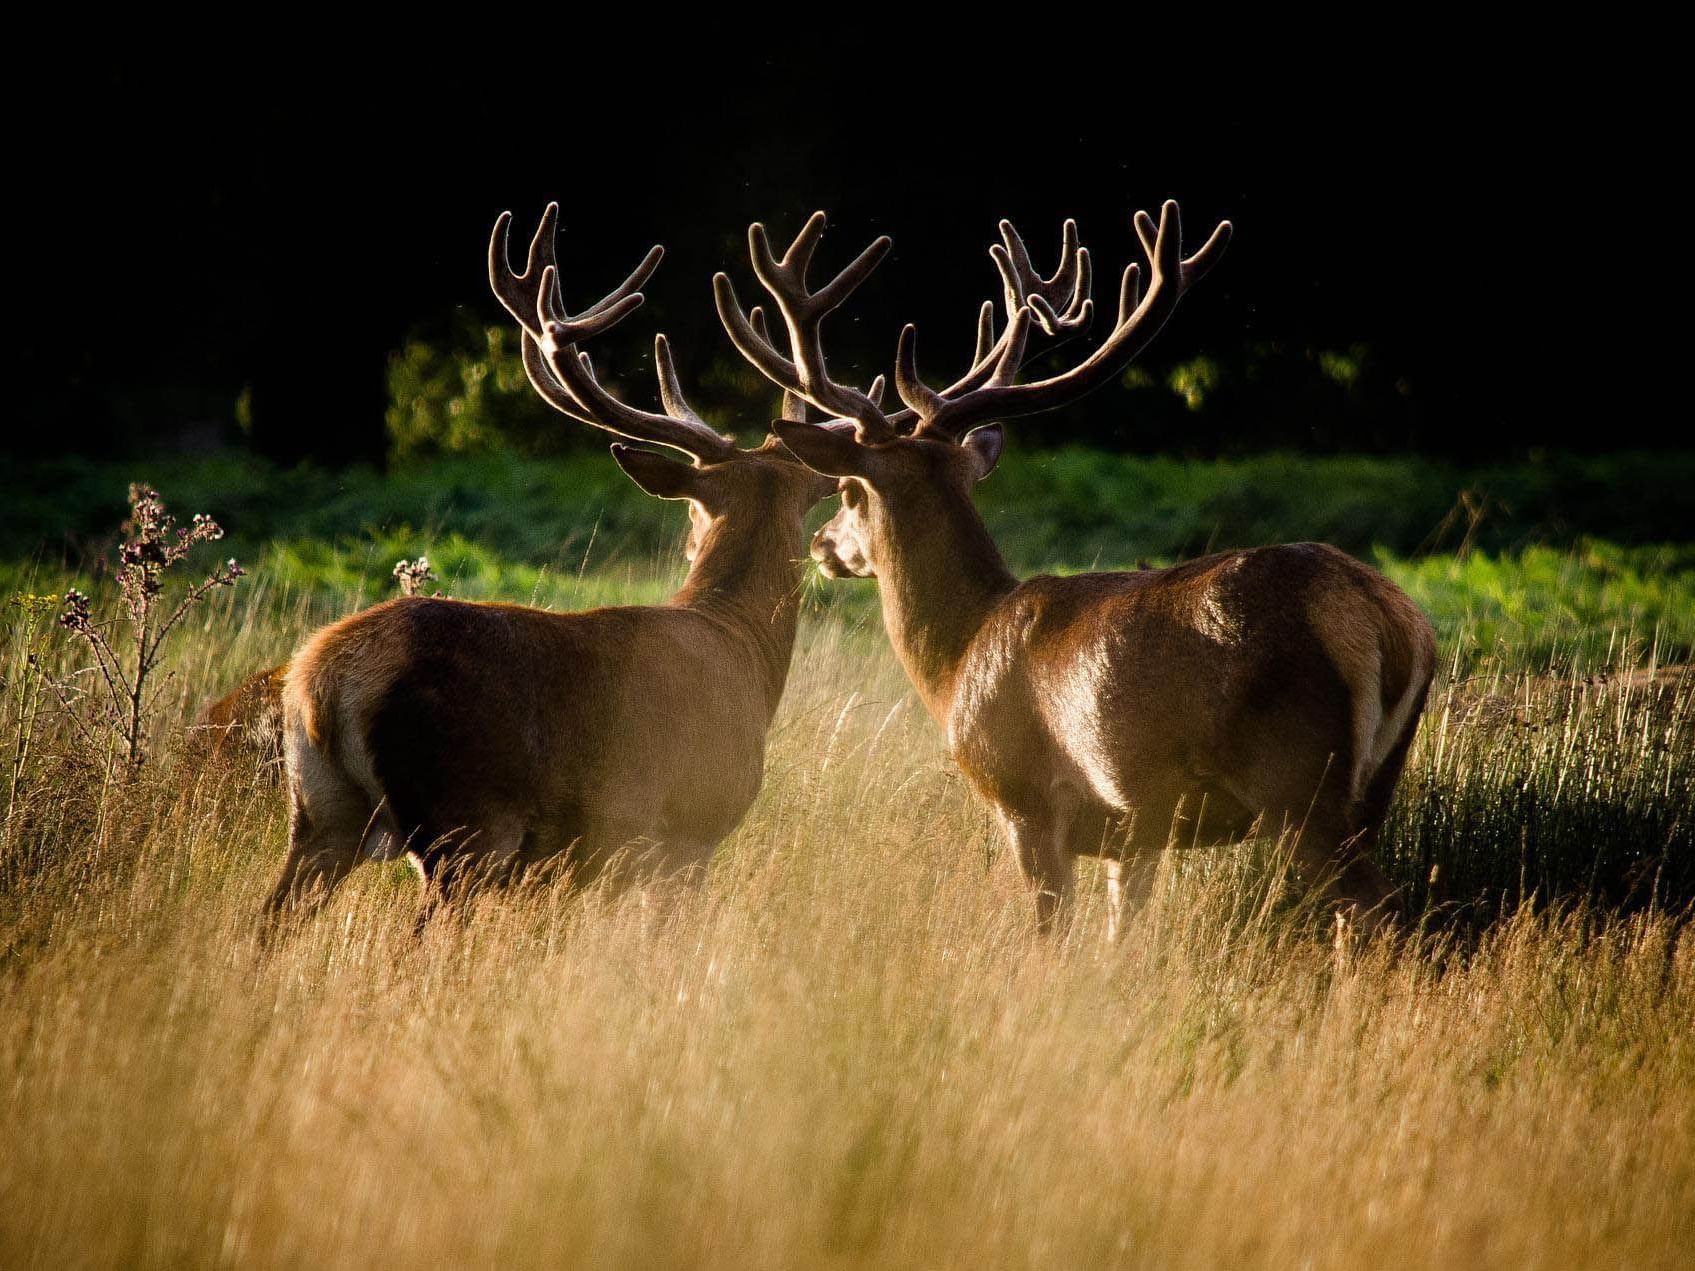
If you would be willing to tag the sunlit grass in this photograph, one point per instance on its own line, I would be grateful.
(850, 1048)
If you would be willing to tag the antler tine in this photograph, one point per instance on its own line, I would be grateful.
(1061, 295)
(562, 375)
(632, 285)
(680, 428)
(671, 388)
(985, 332)
(1129, 292)
(923, 401)
(1196, 267)
(806, 373)
(794, 405)
(533, 297)
(999, 368)
(1140, 317)
(798, 259)
(1060, 307)
(520, 294)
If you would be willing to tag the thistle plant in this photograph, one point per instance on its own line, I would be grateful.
(127, 648)
(414, 575)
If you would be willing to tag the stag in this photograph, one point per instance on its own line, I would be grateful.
(1106, 714)
(482, 739)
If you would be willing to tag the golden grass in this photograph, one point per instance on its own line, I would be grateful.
(849, 1049)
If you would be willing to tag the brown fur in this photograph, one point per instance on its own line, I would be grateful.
(246, 721)
(482, 739)
(1117, 714)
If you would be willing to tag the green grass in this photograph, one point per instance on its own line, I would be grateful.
(1590, 605)
(1047, 508)
(1527, 590)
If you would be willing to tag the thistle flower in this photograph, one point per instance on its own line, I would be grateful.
(412, 575)
(75, 616)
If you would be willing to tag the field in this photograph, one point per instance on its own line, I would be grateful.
(850, 1048)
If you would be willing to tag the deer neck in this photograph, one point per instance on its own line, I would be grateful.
(941, 582)
(747, 578)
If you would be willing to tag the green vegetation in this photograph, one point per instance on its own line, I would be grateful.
(1048, 508)
(1494, 555)
(1590, 606)
(467, 394)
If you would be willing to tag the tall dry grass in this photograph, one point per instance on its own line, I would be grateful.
(848, 1048)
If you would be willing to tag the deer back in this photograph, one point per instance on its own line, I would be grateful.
(1104, 680)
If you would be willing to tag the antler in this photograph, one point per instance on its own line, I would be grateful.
(563, 375)
(794, 405)
(955, 410)
(1060, 306)
(804, 375)
(523, 294)
(1061, 303)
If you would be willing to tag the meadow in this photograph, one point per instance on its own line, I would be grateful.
(850, 1048)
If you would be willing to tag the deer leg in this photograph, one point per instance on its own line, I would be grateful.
(1129, 882)
(329, 816)
(429, 892)
(328, 819)
(1331, 852)
(1043, 853)
(1132, 845)
(1363, 893)
(682, 865)
(318, 861)
(454, 871)
(1380, 790)
(1313, 796)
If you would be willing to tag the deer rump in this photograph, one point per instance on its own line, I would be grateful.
(496, 730)
(1198, 698)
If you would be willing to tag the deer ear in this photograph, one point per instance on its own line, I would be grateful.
(661, 477)
(984, 446)
(834, 452)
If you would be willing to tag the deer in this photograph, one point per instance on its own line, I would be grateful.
(482, 740)
(1109, 714)
(245, 722)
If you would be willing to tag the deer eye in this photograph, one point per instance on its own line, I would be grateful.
(852, 495)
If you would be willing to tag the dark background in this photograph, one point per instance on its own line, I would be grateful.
(1485, 229)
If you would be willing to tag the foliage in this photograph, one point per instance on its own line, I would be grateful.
(573, 533)
(1049, 509)
(1592, 605)
(1076, 506)
(464, 395)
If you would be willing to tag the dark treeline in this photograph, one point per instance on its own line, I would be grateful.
(1421, 264)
